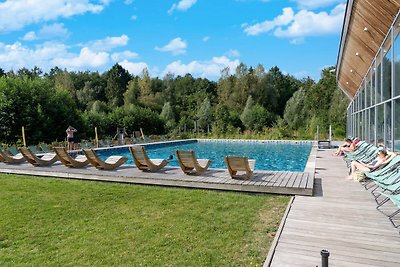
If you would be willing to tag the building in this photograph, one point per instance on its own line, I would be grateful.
(368, 70)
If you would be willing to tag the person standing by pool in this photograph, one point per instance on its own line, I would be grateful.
(70, 137)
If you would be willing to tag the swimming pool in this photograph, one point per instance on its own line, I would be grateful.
(276, 156)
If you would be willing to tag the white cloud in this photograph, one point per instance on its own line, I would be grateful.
(16, 56)
(303, 23)
(206, 38)
(133, 17)
(29, 36)
(86, 59)
(49, 55)
(176, 46)
(16, 14)
(308, 23)
(210, 68)
(47, 32)
(313, 4)
(134, 68)
(266, 26)
(120, 56)
(182, 5)
(108, 43)
(233, 53)
(128, 2)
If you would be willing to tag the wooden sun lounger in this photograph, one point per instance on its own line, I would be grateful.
(190, 164)
(78, 162)
(9, 159)
(240, 164)
(109, 164)
(143, 162)
(46, 160)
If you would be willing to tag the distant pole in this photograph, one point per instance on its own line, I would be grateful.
(23, 136)
(96, 138)
(184, 128)
(208, 128)
(317, 132)
(330, 133)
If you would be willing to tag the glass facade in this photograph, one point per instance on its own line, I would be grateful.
(374, 113)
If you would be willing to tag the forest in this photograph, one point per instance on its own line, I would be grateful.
(248, 102)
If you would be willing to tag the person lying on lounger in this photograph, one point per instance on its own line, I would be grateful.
(357, 165)
(347, 146)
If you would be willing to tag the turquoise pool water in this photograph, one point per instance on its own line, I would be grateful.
(269, 156)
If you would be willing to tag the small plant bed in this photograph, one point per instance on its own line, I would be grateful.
(53, 222)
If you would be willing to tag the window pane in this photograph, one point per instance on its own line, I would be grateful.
(378, 80)
(372, 125)
(380, 125)
(367, 125)
(373, 91)
(363, 125)
(388, 125)
(367, 94)
(396, 125)
(397, 62)
(387, 70)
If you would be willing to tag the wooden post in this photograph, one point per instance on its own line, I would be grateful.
(141, 131)
(23, 136)
(96, 138)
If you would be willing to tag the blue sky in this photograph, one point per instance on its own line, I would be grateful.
(171, 36)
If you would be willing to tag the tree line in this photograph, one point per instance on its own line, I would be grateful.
(245, 100)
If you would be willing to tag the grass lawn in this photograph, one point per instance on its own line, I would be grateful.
(47, 221)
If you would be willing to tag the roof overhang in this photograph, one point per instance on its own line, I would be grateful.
(366, 23)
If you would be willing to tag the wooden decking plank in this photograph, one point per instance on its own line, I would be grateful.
(276, 179)
(304, 181)
(298, 180)
(341, 218)
(284, 179)
(268, 177)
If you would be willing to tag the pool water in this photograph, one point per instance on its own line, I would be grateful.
(269, 156)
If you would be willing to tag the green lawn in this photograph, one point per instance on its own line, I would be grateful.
(47, 221)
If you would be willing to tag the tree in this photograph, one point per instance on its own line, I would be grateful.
(204, 114)
(168, 115)
(247, 117)
(296, 114)
(117, 80)
(132, 93)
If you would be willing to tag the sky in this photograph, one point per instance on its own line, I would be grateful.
(200, 37)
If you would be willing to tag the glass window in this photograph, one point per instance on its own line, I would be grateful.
(362, 100)
(363, 125)
(387, 69)
(367, 121)
(372, 125)
(367, 94)
(373, 87)
(378, 80)
(388, 125)
(380, 125)
(396, 52)
(396, 128)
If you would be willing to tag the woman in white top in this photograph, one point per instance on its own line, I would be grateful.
(357, 165)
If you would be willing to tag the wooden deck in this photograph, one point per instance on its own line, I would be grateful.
(291, 183)
(342, 218)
